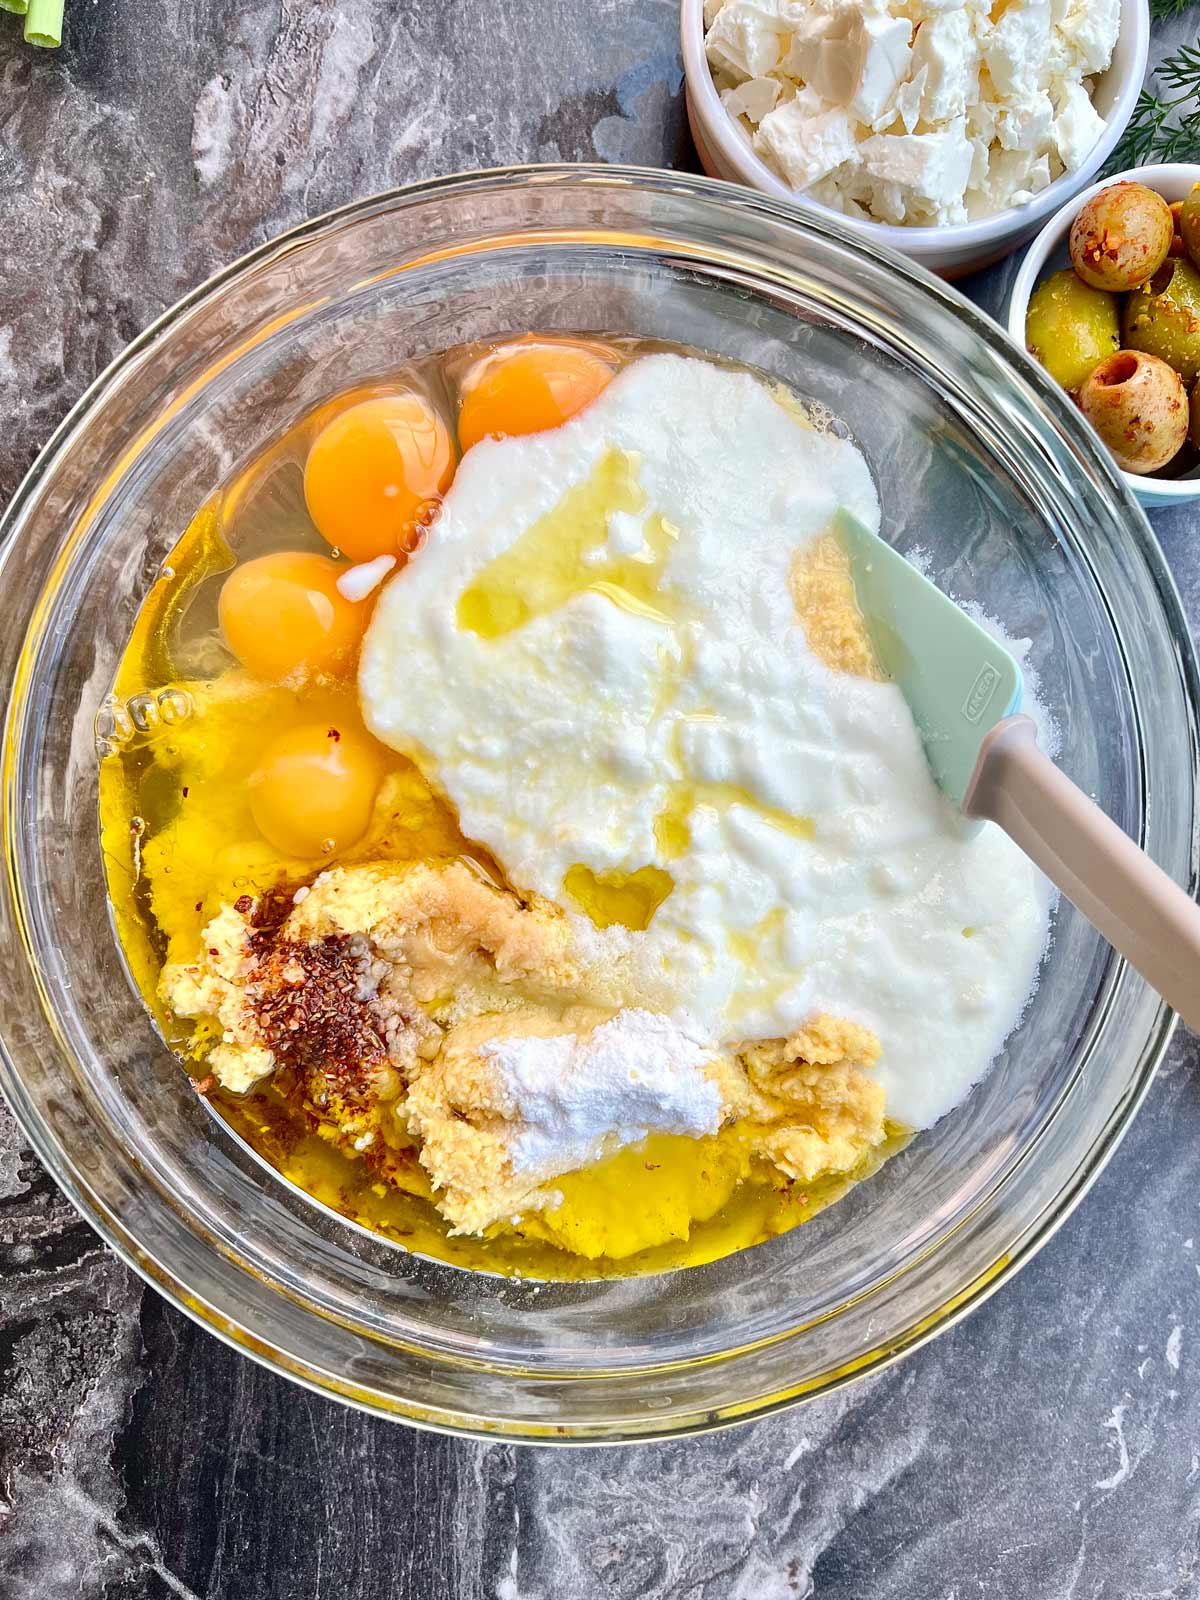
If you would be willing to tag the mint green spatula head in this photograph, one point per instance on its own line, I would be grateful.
(960, 684)
(958, 681)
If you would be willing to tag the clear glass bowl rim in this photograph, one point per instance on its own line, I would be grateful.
(71, 1179)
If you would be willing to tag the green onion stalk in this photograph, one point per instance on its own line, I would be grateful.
(43, 23)
(43, 20)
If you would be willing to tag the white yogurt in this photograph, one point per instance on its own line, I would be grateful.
(563, 741)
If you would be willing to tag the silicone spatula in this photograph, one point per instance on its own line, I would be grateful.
(964, 691)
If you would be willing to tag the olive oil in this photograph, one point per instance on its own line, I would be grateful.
(554, 560)
(626, 898)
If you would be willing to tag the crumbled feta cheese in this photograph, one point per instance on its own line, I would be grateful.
(850, 56)
(1013, 178)
(882, 63)
(1088, 30)
(1039, 177)
(1016, 48)
(752, 99)
(1077, 126)
(910, 97)
(1026, 124)
(803, 147)
(944, 51)
(745, 39)
(932, 169)
(806, 60)
(918, 111)
(980, 161)
(981, 121)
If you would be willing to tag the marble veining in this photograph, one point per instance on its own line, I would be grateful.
(1049, 1446)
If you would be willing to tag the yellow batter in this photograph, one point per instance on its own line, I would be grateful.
(467, 957)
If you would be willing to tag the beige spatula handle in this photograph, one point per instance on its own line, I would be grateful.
(1138, 909)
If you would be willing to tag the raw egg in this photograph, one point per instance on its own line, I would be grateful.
(376, 474)
(527, 388)
(314, 790)
(317, 421)
(283, 614)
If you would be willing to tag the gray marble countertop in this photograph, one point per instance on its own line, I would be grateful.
(1049, 1446)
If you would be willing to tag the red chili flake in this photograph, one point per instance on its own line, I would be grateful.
(185, 791)
(334, 735)
(243, 904)
(213, 951)
(199, 905)
(275, 906)
(310, 1011)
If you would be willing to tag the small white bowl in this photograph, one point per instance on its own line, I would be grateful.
(958, 248)
(1048, 253)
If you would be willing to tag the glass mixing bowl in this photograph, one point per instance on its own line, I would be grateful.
(982, 464)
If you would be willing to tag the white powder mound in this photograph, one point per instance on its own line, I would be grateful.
(635, 1075)
(923, 112)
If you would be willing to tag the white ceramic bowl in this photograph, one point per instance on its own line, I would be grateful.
(1048, 253)
(954, 250)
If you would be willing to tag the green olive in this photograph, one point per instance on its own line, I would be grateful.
(1189, 224)
(1121, 237)
(1139, 407)
(1069, 327)
(1163, 318)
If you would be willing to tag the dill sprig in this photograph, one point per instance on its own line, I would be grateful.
(1164, 126)
(1161, 10)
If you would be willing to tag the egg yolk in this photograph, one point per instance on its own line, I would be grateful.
(283, 614)
(527, 388)
(376, 474)
(318, 420)
(314, 790)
